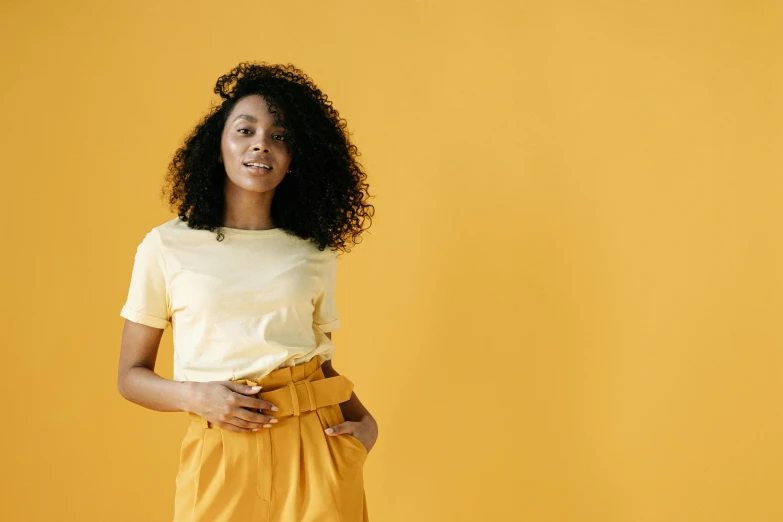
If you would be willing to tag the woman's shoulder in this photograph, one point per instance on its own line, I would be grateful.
(177, 228)
(175, 232)
(173, 224)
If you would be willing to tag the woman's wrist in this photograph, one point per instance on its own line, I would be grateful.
(188, 395)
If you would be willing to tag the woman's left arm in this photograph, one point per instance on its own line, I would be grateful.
(354, 411)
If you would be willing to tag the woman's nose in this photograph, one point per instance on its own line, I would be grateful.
(262, 143)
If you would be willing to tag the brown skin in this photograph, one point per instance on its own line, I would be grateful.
(358, 421)
(250, 134)
(227, 404)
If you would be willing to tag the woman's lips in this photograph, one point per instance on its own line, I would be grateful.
(257, 170)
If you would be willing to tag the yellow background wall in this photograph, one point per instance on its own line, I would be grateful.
(568, 307)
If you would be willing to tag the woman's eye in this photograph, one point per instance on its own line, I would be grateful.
(276, 135)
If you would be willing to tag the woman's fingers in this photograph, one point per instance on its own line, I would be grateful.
(261, 404)
(233, 426)
(253, 402)
(251, 419)
(351, 429)
(242, 425)
(338, 429)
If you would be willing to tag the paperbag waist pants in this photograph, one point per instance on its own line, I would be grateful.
(291, 472)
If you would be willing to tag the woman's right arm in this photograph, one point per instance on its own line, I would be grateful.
(136, 377)
(223, 403)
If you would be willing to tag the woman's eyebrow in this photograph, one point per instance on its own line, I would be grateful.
(253, 119)
(246, 117)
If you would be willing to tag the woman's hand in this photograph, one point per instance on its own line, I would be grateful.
(366, 430)
(226, 403)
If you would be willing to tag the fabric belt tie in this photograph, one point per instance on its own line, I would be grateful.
(305, 395)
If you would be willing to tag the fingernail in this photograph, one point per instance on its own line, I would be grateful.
(329, 430)
(267, 425)
(273, 419)
(274, 408)
(256, 429)
(255, 388)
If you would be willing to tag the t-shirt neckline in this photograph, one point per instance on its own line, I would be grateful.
(246, 232)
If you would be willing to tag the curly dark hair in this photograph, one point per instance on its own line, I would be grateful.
(323, 197)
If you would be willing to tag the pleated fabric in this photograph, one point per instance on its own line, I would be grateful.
(291, 472)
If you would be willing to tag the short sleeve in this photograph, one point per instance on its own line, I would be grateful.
(148, 300)
(325, 313)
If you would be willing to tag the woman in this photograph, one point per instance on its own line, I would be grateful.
(263, 185)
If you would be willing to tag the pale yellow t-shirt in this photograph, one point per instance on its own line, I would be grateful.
(239, 308)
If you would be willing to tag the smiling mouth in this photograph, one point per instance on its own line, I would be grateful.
(257, 167)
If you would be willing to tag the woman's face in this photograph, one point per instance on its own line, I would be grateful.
(252, 136)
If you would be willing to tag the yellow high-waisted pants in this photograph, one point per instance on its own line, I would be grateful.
(291, 472)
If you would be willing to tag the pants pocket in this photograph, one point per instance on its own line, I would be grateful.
(338, 414)
(347, 456)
